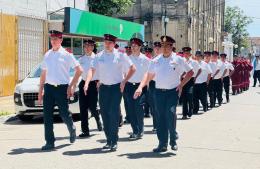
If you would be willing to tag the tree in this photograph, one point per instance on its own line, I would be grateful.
(236, 23)
(110, 7)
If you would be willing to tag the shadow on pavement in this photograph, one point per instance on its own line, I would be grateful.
(140, 155)
(34, 150)
(82, 152)
(122, 139)
(14, 120)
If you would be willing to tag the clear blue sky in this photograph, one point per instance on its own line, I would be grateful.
(251, 8)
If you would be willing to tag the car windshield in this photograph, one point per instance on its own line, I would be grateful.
(36, 73)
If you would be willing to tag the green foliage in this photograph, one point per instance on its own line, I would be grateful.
(110, 7)
(236, 23)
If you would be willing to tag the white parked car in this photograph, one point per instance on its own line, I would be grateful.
(26, 97)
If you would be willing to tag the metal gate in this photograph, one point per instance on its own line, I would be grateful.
(31, 40)
(8, 54)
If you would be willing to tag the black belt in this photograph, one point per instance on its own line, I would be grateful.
(165, 90)
(134, 84)
(57, 85)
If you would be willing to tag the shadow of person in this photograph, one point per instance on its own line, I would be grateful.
(140, 155)
(149, 132)
(34, 150)
(82, 152)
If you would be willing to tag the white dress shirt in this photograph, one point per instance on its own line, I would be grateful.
(205, 71)
(168, 71)
(85, 62)
(229, 68)
(110, 66)
(141, 63)
(58, 65)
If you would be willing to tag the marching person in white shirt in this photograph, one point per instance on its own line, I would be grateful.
(157, 49)
(166, 69)
(109, 65)
(89, 101)
(56, 87)
(187, 92)
(227, 75)
(219, 69)
(201, 82)
(135, 107)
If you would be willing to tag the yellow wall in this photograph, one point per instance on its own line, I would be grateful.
(8, 54)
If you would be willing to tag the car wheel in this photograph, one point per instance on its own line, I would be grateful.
(25, 117)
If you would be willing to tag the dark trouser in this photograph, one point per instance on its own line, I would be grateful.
(135, 107)
(52, 96)
(109, 101)
(226, 84)
(211, 93)
(165, 103)
(151, 95)
(187, 96)
(88, 102)
(126, 105)
(217, 91)
(146, 104)
(256, 76)
(200, 94)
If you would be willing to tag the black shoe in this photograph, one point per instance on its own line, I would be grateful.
(73, 136)
(48, 147)
(84, 135)
(107, 146)
(113, 147)
(160, 149)
(99, 126)
(184, 117)
(133, 136)
(140, 135)
(205, 109)
(228, 100)
(154, 130)
(174, 147)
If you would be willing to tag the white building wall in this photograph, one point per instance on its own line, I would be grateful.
(38, 8)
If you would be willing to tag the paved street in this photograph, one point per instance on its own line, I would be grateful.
(224, 138)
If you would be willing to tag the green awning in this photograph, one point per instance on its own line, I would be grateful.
(91, 24)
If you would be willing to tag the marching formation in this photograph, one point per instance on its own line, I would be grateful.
(153, 82)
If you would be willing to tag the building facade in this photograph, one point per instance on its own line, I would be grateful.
(195, 23)
(24, 37)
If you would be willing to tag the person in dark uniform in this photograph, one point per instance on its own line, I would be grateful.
(187, 92)
(109, 65)
(227, 75)
(167, 70)
(151, 87)
(219, 70)
(128, 52)
(56, 87)
(88, 102)
(135, 106)
(201, 82)
(147, 108)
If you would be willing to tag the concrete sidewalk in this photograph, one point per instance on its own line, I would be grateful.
(7, 104)
(227, 137)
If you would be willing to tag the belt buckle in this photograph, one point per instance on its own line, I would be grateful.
(55, 85)
(134, 84)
